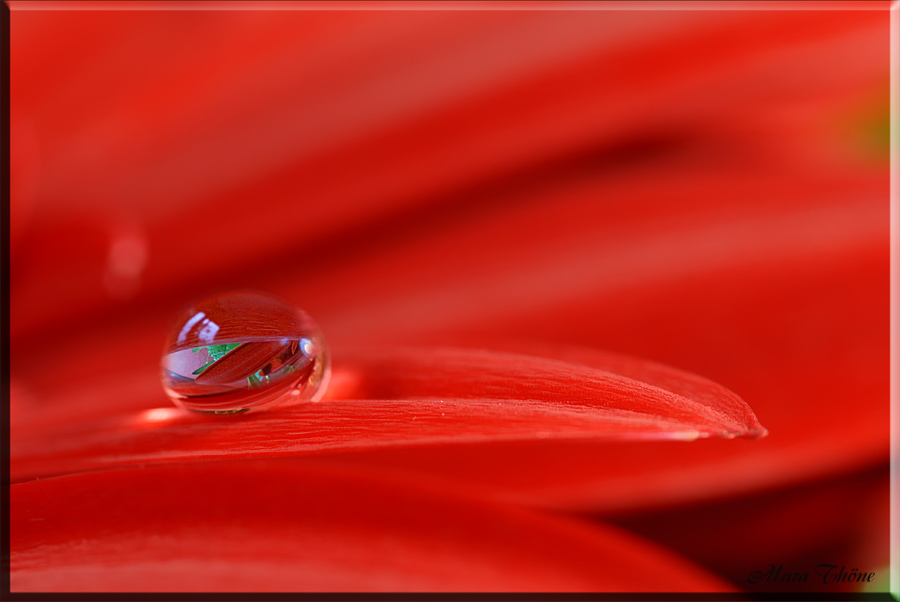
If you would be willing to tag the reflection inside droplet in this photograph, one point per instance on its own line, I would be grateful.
(243, 351)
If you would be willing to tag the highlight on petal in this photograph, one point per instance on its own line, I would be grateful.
(411, 396)
(296, 526)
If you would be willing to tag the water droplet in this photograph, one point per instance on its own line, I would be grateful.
(242, 351)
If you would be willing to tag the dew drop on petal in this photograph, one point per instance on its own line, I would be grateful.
(242, 351)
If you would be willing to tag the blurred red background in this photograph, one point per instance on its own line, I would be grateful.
(708, 189)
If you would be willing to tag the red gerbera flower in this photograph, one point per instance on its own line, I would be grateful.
(563, 258)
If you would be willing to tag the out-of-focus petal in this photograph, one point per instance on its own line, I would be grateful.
(793, 529)
(226, 167)
(403, 397)
(278, 526)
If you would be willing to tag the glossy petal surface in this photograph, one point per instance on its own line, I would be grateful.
(403, 397)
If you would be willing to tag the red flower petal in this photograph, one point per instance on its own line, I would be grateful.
(404, 397)
(276, 526)
(275, 162)
(806, 343)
